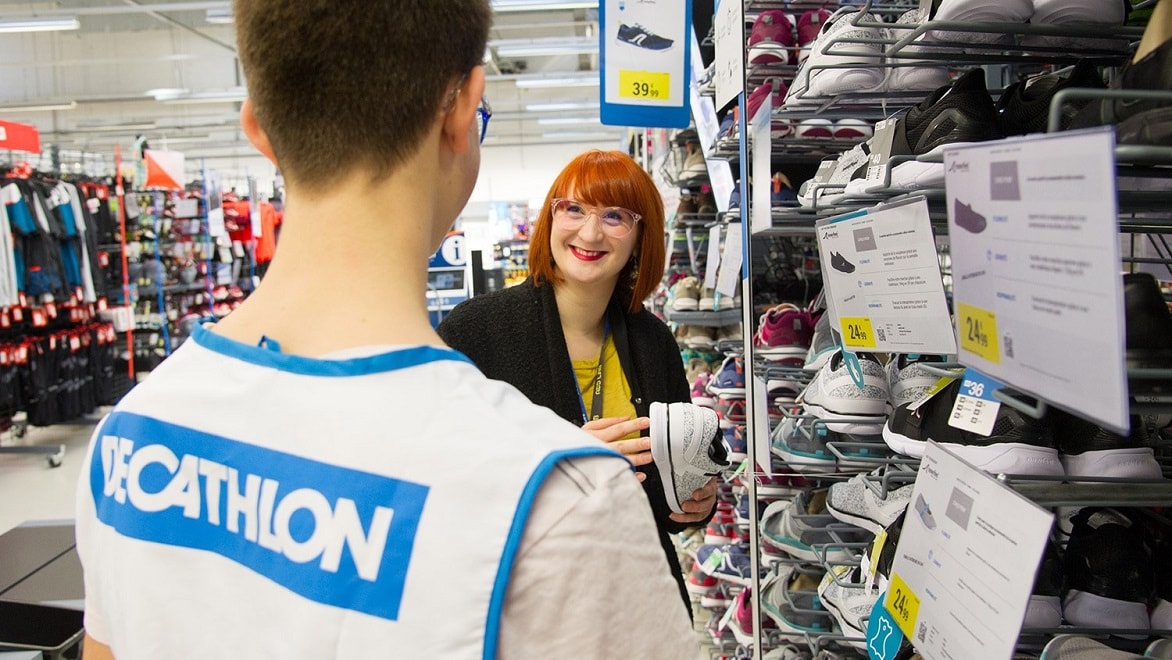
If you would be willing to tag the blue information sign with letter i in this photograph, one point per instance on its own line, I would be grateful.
(646, 61)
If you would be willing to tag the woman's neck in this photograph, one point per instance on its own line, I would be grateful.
(583, 317)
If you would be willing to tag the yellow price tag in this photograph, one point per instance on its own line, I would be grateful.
(903, 604)
(857, 332)
(644, 85)
(978, 332)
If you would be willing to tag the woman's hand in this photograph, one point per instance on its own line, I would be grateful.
(698, 508)
(610, 429)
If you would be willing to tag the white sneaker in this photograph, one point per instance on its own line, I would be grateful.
(907, 379)
(859, 503)
(833, 393)
(687, 448)
(812, 81)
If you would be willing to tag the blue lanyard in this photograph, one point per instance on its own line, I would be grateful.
(596, 402)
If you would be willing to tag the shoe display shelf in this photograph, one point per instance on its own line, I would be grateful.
(717, 318)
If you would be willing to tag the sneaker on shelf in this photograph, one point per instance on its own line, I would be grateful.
(783, 391)
(1024, 106)
(695, 168)
(707, 300)
(707, 205)
(809, 26)
(865, 502)
(698, 581)
(1107, 14)
(771, 39)
(979, 11)
(730, 563)
(907, 377)
(641, 37)
(800, 527)
(1045, 607)
(700, 395)
(730, 410)
(789, 598)
(833, 395)
(778, 128)
(962, 112)
(1137, 121)
(687, 448)
(687, 206)
(734, 437)
(909, 74)
(700, 336)
(803, 447)
(718, 533)
(854, 130)
(1018, 444)
(741, 622)
(1160, 648)
(1148, 324)
(857, 62)
(730, 332)
(823, 344)
(815, 129)
(1077, 647)
(730, 378)
(1108, 572)
(1088, 450)
(784, 331)
(849, 599)
(684, 295)
(718, 599)
(695, 367)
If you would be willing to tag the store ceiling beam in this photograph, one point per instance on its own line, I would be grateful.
(112, 10)
(183, 26)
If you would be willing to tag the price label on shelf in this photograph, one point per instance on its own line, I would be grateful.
(857, 332)
(903, 605)
(977, 329)
(644, 84)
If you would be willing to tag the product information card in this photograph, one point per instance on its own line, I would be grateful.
(1035, 268)
(645, 62)
(966, 560)
(729, 72)
(761, 216)
(882, 277)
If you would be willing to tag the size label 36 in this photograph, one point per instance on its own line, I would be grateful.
(975, 408)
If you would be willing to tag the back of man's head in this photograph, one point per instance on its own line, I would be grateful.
(344, 84)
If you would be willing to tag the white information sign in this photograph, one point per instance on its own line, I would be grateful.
(730, 261)
(720, 174)
(761, 217)
(882, 277)
(761, 436)
(966, 560)
(730, 51)
(713, 261)
(1035, 268)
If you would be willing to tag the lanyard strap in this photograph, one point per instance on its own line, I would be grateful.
(596, 402)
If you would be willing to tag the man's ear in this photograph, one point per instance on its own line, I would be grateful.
(255, 133)
(459, 127)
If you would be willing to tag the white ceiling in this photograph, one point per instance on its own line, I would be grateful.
(121, 71)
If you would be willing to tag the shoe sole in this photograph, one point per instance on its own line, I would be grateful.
(762, 49)
(1001, 458)
(661, 454)
(805, 463)
(862, 522)
(1136, 463)
(1081, 608)
(859, 423)
(781, 352)
(1043, 612)
(685, 305)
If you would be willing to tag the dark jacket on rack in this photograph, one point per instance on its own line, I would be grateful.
(515, 335)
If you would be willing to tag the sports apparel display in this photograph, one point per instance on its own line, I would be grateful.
(355, 542)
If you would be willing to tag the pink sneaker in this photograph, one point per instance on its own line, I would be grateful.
(809, 25)
(700, 395)
(771, 39)
(784, 332)
(698, 581)
(778, 128)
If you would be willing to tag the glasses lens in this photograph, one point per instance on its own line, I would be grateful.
(617, 218)
(568, 209)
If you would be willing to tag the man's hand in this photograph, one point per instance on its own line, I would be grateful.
(698, 508)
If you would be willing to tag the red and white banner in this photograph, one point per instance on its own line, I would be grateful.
(19, 137)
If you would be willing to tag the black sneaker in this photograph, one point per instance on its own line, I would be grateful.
(967, 218)
(1088, 450)
(1018, 444)
(1135, 118)
(960, 112)
(839, 263)
(1024, 107)
(1045, 607)
(1108, 571)
(1149, 324)
(637, 35)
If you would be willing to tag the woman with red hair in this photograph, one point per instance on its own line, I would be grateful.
(575, 336)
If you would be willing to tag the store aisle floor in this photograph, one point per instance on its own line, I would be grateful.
(29, 488)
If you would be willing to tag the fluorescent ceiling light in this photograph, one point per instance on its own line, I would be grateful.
(539, 5)
(554, 107)
(236, 95)
(586, 135)
(40, 25)
(544, 46)
(566, 121)
(164, 93)
(220, 16)
(564, 81)
(40, 107)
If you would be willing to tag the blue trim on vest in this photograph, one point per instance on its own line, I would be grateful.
(513, 542)
(267, 357)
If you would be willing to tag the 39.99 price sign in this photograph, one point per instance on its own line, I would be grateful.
(644, 84)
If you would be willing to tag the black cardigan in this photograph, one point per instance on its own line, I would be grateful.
(515, 335)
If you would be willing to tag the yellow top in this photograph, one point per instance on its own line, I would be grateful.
(616, 392)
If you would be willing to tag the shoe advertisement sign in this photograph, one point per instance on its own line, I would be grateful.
(646, 62)
(882, 277)
(965, 564)
(1035, 268)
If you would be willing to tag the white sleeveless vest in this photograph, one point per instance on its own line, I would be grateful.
(331, 508)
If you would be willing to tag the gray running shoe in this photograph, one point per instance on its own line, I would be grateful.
(687, 448)
(859, 503)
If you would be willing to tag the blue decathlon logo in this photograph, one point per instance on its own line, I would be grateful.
(334, 535)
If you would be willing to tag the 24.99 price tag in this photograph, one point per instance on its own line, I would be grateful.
(857, 332)
(978, 332)
(903, 604)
